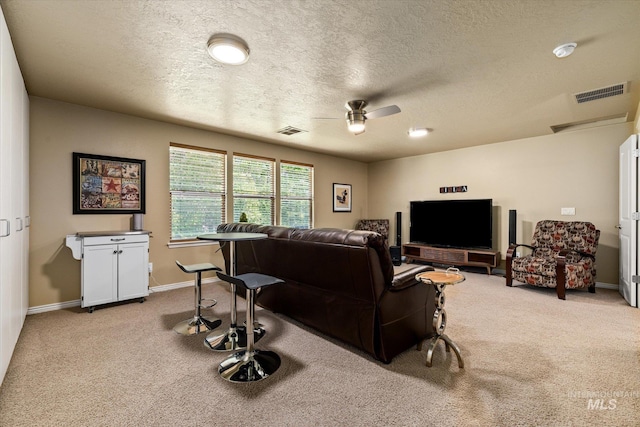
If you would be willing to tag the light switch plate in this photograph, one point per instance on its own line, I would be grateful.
(567, 211)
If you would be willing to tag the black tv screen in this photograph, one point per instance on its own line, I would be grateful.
(452, 223)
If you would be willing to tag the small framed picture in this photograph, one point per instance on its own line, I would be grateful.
(341, 197)
(108, 185)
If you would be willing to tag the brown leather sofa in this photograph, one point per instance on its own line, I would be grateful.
(341, 283)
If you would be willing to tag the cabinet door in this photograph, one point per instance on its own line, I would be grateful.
(133, 271)
(99, 275)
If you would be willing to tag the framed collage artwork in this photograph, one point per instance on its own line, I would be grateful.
(108, 185)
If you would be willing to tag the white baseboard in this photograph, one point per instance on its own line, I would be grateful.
(607, 286)
(76, 303)
(602, 285)
(53, 307)
(172, 286)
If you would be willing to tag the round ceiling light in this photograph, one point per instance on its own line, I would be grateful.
(228, 49)
(564, 50)
(418, 132)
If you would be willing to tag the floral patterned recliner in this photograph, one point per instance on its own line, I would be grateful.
(563, 257)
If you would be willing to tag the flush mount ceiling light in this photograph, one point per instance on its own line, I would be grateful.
(564, 50)
(418, 132)
(228, 49)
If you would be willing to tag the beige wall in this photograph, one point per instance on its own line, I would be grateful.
(58, 129)
(535, 176)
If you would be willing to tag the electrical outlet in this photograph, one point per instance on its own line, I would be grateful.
(567, 211)
(517, 254)
(150, 267)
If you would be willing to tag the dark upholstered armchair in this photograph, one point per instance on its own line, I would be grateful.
(562, 257)
(378, 225)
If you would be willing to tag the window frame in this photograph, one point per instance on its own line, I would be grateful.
(235, 216)
(310, 199)
(192, 241)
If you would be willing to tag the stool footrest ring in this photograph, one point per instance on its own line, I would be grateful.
(207, 303)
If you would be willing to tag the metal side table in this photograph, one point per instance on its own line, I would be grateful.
(440, 279)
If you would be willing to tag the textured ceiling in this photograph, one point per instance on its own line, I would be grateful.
(476, 72)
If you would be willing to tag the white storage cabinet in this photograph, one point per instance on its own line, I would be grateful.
(114, 268)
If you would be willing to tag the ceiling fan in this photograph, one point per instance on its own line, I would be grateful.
(356, 114)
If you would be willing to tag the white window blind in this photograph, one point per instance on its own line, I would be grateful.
(296, 195)
(254, 189)
(198, 190)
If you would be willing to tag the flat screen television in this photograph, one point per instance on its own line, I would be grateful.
(452, 223)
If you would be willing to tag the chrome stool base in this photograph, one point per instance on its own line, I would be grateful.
(196, 325)
(244, 367)
(233, 339)
(249, 365)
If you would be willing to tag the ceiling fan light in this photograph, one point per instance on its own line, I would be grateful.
(418, 132)
(228, 49)
(356, 126)
(355, 121)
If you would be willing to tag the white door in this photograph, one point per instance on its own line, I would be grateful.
(628, 227)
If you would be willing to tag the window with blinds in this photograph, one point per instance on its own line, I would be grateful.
(296, 195)
(197, 184)
(254, 189)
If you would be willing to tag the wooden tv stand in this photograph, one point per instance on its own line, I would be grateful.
(487, 258)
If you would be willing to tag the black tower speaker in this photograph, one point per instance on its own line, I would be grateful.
(512, 226)
(398, 228)
(396, 251)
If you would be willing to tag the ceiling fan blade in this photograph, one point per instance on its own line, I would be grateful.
(381, 112)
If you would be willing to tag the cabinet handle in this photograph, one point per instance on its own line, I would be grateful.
(115, 252)
(19, 227)
(6, 230)
(120, 251)
(118, 240)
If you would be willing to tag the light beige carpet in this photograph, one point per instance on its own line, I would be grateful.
(530, 359)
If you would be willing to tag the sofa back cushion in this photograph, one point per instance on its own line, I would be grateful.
(313, 256)
(554, 236)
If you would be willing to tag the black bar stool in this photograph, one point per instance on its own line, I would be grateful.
(198, 323)
(250, 364)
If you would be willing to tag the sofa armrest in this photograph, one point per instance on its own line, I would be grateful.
(406, 279)
(512, 250)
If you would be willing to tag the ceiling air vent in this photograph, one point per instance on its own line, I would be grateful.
(290, 130)
(604, 92)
